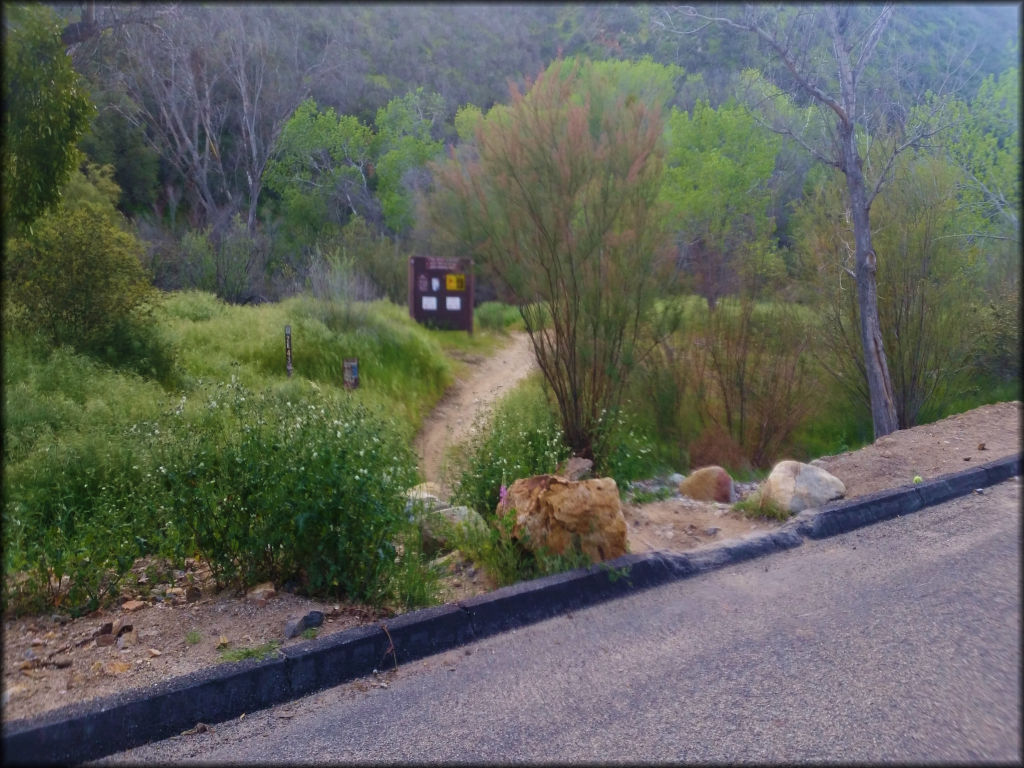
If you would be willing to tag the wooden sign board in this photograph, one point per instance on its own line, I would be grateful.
(441, 293)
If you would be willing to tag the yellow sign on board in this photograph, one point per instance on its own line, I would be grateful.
(453, 282)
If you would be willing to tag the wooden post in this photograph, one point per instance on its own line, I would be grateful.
(288, 349)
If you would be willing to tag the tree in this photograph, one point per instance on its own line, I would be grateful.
(825, 52)
(404, 145)
(928, 285)
(46, 110)
(320, 168)
(560, 205)
(719, 164)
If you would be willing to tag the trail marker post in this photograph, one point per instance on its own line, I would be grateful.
(288, 349)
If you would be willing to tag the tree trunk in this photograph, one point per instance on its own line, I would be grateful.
(883, 407)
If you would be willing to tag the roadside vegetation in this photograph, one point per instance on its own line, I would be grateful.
(698, 289)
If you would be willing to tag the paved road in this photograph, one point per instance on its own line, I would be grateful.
(897, 642)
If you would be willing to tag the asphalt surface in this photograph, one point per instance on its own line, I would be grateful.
(899, 641)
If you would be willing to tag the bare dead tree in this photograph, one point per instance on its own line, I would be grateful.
(271, 79)
(828, 58)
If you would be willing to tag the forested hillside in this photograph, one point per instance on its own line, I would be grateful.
(211, 115)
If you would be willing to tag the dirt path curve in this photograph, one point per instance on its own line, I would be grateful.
(472, 395)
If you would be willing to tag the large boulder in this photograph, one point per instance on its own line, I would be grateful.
(709, 484)
(554, 513)
(795, 486)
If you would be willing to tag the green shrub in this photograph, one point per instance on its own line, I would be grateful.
(269, 488)
(136, 343)
(758, 506)
(623, 448)
(508, 560)
(522, 438)
(77, 274)
(495, 316)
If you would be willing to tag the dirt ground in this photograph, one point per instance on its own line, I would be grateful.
(50, 661)
(470, 398)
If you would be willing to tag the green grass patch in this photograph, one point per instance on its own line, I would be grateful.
(757, 506)
(495, 316)
(264, 651)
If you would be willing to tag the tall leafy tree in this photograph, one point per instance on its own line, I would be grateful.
(719, 165)
(559, 203)
(404, 144)
(831, 57)
(46, 110)
(321, 168)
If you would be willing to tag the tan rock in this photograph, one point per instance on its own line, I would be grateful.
(153, 652)
(575, 468)
(128, 639)
(796, 486)
(263, 591)
(709, 484)
(555, 513)
(133, 605)
(105, 640)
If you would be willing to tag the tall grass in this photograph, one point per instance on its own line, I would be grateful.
(88, 448)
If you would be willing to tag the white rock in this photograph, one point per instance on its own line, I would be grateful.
(796, 486)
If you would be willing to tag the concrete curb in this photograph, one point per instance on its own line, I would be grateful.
(90, 730)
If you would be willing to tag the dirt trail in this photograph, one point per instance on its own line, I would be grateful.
(472, 395)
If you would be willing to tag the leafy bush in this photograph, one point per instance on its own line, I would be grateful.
(269, 488)
(136, 344)
(66, 537)
(625, 450)
(495, 316)
(522, 438)
(78, 274)
(508, 560)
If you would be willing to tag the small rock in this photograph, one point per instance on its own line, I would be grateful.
(37, 641)
(981, 447)
(711, 531)
(120, 629)
(575, 468)
(261, 603)
(709, 484)
(222, 642)
(295, 627)
(675, 479)
(175, 592)
(59, 618)
(62, 663)
(153, 652)
(103, 641)
(263, 591)
(29, 654)
(105, 628)
(13, 690)
(127, 639)
(979, 491)
(133, 605)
